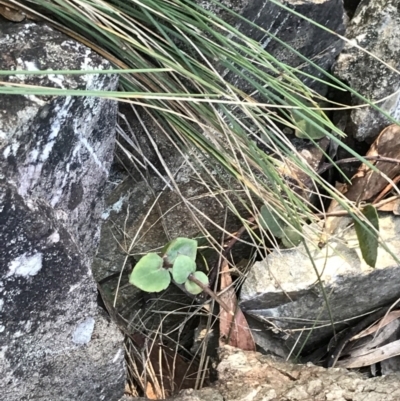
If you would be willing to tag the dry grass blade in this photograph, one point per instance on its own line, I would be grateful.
(169, 371)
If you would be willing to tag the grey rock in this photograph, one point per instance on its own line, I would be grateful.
(283, 289)
(304, 37)
(55, 154)
(376, 28)
(66, 134)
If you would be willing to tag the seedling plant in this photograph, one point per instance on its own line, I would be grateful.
(153, 273)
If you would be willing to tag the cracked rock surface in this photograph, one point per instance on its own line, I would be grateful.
(55, 154)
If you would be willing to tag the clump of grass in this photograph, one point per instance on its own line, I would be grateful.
(174, 57)
(180, 49)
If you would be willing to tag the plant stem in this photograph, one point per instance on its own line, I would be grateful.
(211, 293)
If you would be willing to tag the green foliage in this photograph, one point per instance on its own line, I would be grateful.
(270, 220)
(183, 267)
(149, 274)
(308, 123)
(153, 273)
(291, 237)
(192, 287)
(180, 246)
(368, 236)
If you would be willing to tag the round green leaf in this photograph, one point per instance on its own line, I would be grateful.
(149, 274)
(192, 287)
(183, 266)
(180, 246)
(271, 221)
(305, 128)
(291, 237)
(309, 122)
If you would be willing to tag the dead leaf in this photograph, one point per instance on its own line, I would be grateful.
(390, 317)
(373, 356)
(11, 14)
(150, 393)
(365, 344)
(311, 155)
(387, 189)
(374, 344)
(366, 183)
(392, 206)
(234, 330)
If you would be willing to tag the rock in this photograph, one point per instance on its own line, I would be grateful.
(251, 376)
(283, 289)
(204, 394)
(306, 38)
(376, 28)
(55, 154)
(246, 375)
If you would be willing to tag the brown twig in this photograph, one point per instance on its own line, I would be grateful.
(236, 236)
(211, 293)
(327, 166)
